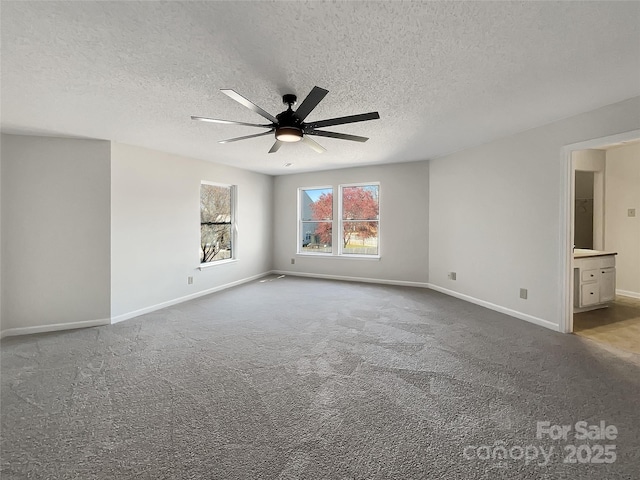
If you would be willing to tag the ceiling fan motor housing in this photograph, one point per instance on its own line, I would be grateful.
(288, 119)
(289, 127)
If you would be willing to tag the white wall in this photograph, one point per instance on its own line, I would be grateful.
(589, 160)
(55, 239)
(622, 233)
(404, 211)
(155, 228)
(496, 214)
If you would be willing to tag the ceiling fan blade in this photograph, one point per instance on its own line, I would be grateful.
(313, 144)
(229, 122)
(250, 105)
(313, 99)
(276, 146)
(342, 136)
(248, 136)
(342, 120)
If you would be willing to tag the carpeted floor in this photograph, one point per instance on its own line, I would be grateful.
(297, 378)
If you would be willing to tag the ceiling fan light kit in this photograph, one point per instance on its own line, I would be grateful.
(289, 126)
(289, 134)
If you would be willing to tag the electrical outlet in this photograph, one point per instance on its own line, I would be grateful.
(631, 212)
(293, 261)
(189, 280)
(523, 293)
(452, 275)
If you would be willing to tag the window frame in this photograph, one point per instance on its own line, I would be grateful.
(233, 194)
(341, 220)
(336, 223)
(299, 229)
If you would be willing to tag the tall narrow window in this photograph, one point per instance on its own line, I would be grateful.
(217, 205)
(316, 219)
(359, 215)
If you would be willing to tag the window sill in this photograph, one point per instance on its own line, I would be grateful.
(332, 256)
(204, 266)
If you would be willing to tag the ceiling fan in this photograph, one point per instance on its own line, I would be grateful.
(289, 126)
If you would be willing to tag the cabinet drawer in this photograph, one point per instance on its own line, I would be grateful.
(589, 275)
(590, 263)
(608, 261)
(587, 263)
(590, 294)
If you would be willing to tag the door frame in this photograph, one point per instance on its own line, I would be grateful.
(567, 215)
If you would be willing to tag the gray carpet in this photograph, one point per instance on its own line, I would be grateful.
(308, 379)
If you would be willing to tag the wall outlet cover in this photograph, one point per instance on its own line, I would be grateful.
(523, 293)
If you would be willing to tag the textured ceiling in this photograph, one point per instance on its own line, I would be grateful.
(443, 75)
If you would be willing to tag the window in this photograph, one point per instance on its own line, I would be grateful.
(316, 220)
(357, 220)
(217, 222)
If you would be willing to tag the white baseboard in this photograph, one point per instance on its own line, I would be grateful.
(402, 283)
(492, 306)
(159, 306)
(626, 293)
(175, 301)
(9, 332)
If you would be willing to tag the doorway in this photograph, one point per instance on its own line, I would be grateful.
(601, 219)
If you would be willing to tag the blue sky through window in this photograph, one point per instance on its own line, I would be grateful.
(314, 195)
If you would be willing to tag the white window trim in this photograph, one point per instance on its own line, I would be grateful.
(339, 257)
(341, 220)
(204, 266)
(336, 239)
(234, 225)
(300, 221)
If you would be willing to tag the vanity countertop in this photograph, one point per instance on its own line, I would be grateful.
(584, 253)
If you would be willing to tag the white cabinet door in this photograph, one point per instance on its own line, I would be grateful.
(607, 283)
(594, 281)
(590, 294)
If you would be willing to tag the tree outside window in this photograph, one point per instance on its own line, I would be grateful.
(358, 219)
(216, 222)
(316, 220)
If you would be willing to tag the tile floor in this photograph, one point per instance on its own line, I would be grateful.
(617, 326)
